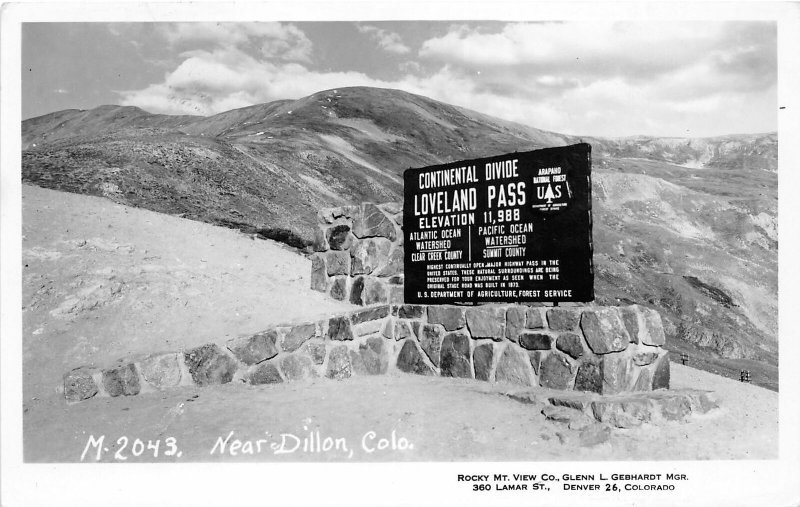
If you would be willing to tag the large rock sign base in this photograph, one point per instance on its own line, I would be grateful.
(602, 350)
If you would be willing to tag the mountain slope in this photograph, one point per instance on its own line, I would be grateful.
(685, 225)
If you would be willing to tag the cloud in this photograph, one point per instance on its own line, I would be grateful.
(390, 41)
(588, 79)
(268, 40)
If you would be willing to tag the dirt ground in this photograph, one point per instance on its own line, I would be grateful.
(103, 281)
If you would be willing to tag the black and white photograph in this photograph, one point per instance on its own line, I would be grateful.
(387, 256)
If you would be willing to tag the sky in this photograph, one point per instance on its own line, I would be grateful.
(661, 78)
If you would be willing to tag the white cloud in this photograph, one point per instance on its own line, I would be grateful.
(271, 40)
(390, 41)
(610, 80)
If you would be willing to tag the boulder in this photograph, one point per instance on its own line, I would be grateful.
(375, 292)
(451, 317)
(604, 330)
(339, 328)
(339, 237)
(515, 321)
(161, 371)
(455, 355)
(254, 349)
(316, 351)
(394, 264)
(374, 313)
(563, 319)
(319, 273)
(339, 363)
(630, 317)
(570, 344)
(644, 358)
(403, 330)
(589, 377)
(121, 380)
(297, 367)
(661, 373)
(410, 360)
(487, 322)
(535, 341)
(368, 254)
(534, 318)
(430, 339)
(616, 373)
(356, 290)
(337, 262)
(644, 382)
(482, 358)
(374, 356)
(298, 335)
(209, 364)
(339, 288)
(320, 242)
(370, 221)
(514, 367)
(653, 332)
(411, 312)
(556, 372)
(79, 384)
(265, 373)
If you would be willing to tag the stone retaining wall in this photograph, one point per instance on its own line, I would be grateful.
(359, 253)
(606, 350)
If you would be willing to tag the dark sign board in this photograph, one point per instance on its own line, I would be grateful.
(510, 228)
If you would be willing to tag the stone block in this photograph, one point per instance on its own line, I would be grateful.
(356, 290)
(319, 273)
(575, 419)
(316, 351)
(79, 384)
(644, 381)
(375, 356)
(589, 377)
(320, 243)
(368, 254)
(534, 318)
(337, 263)
(570, 344)
(394, 263)
(339, 363)
(367, 291)
(604, 330)
(675, 407)
(616, 373)
(209, 364)
(396, 294)
(535, 358)
(455, 355)
(630, 317)
(644, 358)
(515, 321)
(661, 373)
(403, 330)
(622, 413)
(374, 313)
(535, 341)
(430, 339)
(487, 322)
(265, 373)
(411, 312)
(514, 367)
(370, 221)
(161, 371)
(367, 328)
(563, 319)
(653, 332)
(556, 372)
(339, 286)
(451, 317)
(482, 358)
(297, 367)
(256, 348)
(297, 336)
(339, 328)
(121, 380)
(410, 360)
(339, 237)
